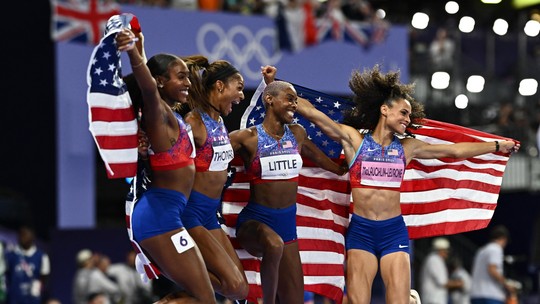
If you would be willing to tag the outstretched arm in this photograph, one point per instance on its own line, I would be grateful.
(422, 150)
(311, 151)
(348, 137)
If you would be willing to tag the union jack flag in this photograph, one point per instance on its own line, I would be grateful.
(335, 26)
(81, 21)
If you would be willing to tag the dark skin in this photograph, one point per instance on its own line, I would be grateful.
(281, 268)
(224, 267)
(186, 269)
(222, 96)
(26, 238)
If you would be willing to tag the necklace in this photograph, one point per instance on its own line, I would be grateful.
(216, 109)
(176, 106)
(278, 137)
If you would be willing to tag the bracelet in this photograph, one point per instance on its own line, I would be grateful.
(137, 65)
(497, 147)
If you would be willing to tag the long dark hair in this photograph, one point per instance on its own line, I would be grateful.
(204, 76)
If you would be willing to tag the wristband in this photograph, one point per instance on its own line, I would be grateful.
(497, 147)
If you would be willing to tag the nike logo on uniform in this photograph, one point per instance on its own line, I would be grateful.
(403, 246)
(371, 150)
(214, 129)
(268, 146)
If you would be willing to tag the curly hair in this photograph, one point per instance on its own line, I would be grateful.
(371, 90)
(203, 78)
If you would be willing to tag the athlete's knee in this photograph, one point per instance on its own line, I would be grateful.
(235, 289)
(210, 299)
(359, 288)
(274, 248)
(183, 296)
(354, 297)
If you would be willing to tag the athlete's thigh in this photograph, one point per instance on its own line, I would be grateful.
(361, 268)
(396, 274)
(291, 277)
(215, 256)
(256, 237)
(181, 264)
(225, 242)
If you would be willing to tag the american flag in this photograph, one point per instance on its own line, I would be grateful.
(439, 197)
(449, 196)
(81, 21)
(110, 112)
(323, 205)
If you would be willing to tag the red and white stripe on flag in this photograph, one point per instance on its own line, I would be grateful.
(449, 196)
(110, 111)
(114, 128)
(322, 218)
(439, 197)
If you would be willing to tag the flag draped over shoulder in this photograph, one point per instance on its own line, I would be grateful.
(449, 196)
(110, 112)
(439, 197)
(81, 21)
(323, 206)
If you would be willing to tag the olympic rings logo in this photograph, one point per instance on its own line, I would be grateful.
(247, 51)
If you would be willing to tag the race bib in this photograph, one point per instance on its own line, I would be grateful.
(281, 166)
(182, 241)
(223, 154)
(382, 172)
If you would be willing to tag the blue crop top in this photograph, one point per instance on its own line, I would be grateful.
(376, 166)
(275, 160)
(217, 152)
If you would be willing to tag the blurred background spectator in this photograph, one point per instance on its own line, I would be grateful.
(27, 270)
(442, 51)
(100, 282)
(133, 290)
(459, 294)
(489, 282)
(434, 278)
(86, 262)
